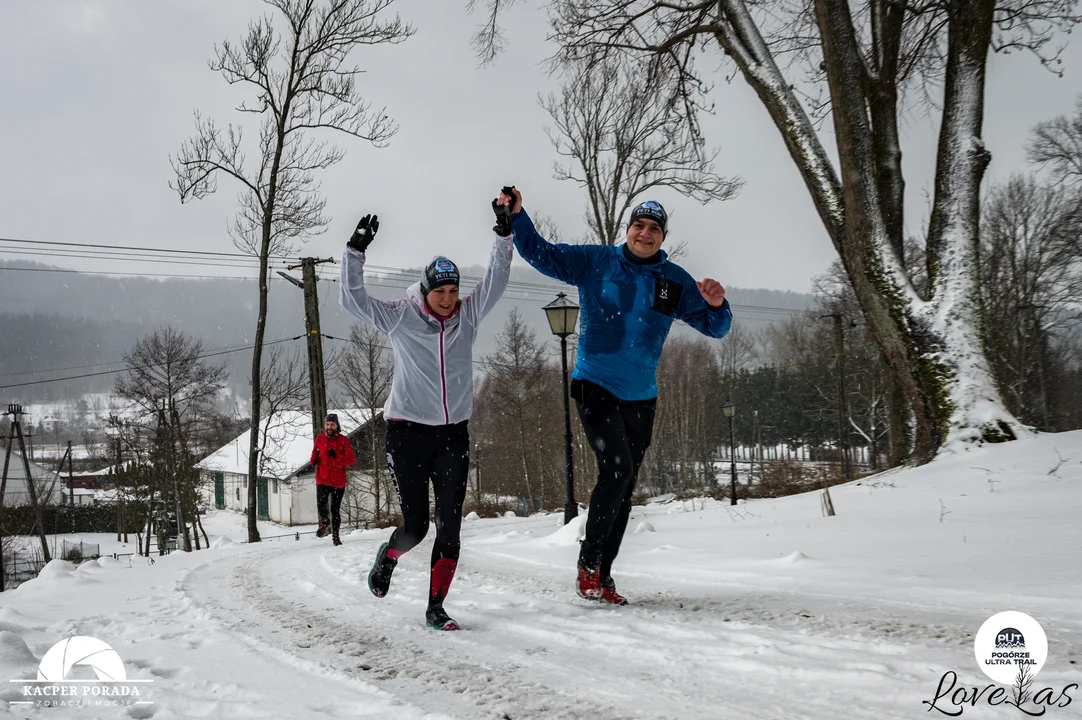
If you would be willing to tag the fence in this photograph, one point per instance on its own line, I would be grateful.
(20, 567)
(78, 550)
(103, 517)
(23, 565)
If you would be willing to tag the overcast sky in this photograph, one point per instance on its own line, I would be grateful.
(98, 93)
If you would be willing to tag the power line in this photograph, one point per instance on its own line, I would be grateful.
(254, 265)
(142, 367)
(38, 371)
(130, 274)
(374, 281)
(124, 247)
(398, 278)
(405, 275)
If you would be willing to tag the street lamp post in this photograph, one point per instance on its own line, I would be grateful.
(563, 315)
(729, 409)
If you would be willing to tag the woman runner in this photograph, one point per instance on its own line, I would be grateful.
(432, 332)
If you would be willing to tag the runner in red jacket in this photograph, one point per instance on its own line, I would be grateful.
(331, 456)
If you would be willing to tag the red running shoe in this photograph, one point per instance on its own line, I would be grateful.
(589, 584)
(609, 594)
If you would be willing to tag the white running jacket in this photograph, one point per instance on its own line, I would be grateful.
(433, 357)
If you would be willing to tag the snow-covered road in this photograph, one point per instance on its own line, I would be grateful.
(698, 649)
(766, 611)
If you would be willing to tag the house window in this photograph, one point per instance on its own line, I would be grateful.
(238, 493)
(245, 481)
(275, 486)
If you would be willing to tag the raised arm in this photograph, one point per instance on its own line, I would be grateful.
(703, 306)
(569, 263)
(353, 294)
(484, 297)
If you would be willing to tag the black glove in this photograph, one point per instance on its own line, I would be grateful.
(331, 454)
(316, 461)
(503, 213)
(365, 233)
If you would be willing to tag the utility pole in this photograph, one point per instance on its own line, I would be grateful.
(71, 487)
(478, 476)
(317, 381)
(843, 410)
(3, 487)
(16, 433)
(758, 440)
(59, 470)
(119, 494)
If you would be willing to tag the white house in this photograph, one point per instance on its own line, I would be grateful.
(286, 488)
(16, 490)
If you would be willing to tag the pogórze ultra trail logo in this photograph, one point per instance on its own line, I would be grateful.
(81, 671)
(1010, 648)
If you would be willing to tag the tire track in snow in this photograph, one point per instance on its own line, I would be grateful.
(534, 650)
(438, 679)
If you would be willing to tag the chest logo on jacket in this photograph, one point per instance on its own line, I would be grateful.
(666, 296)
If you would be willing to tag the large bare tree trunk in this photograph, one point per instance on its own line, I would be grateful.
(969, 402)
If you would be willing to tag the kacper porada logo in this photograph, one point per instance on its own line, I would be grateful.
(82, 671)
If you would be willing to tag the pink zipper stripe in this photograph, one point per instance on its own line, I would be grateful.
(443, 379)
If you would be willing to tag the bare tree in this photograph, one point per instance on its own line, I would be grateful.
(365, 372)
(284, 385)
(515, 421)
(1056, 146)
(170, 386)
(488, 42)
(688, 420)
(865, 55)
(169, 368)
(1031, 277)
(735, 352)
(302, 82)
(617, 123)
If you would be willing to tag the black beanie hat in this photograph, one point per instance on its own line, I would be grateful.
(440, 271)
(651, 210)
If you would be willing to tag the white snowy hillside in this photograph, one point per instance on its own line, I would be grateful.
(768, 610)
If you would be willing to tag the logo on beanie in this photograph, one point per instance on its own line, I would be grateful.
(444, 265)
(650, 209)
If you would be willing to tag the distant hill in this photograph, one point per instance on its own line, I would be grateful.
(70, 320)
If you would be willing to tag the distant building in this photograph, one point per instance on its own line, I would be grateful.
(286, 488)
(15, 489)
(88, 480)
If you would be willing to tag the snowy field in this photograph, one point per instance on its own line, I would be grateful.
(768, 610)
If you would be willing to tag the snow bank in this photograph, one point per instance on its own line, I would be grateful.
(221, 542)
(57, 568)
(14, 651)
(503, 537)
(569, 534)
(794, 558)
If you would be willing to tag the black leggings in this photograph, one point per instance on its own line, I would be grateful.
(417, 454)
(323, 493)
(619, 431)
